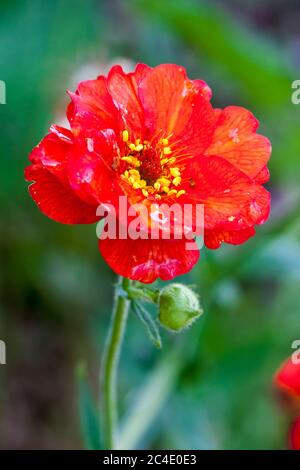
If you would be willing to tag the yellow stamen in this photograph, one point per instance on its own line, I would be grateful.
(143, 183)
(139, 147)
(132, 160)
(164, 181)
(127, 159)
(126, 173)
(125, 136)
(157, 186)
(138, 141)
(181, 192)
(175, 171)
(136, 185)
(134, 172)
(145, 192)
(172, 160)
(172, 192)
(165, 189)
(157, 196)
(164, 161)
(167, 150)
(176, 181)
(164, 141)
(132, 179)
(132, 147)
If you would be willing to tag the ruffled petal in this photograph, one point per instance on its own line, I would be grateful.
(214, 238)
(91, 170)
(235, 140)
(56, 200)
(263, 176)
(147, 260)
(123, 90)
(177, 107)
(232, 201)
(92, 108)
(53, 150)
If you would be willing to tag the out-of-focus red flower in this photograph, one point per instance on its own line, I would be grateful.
(295, 435)
(287, 378)
(153, 136)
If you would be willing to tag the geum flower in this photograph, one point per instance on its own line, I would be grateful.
(153, 136)
(287, 381)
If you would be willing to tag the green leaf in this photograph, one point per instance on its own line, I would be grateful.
(148, 322)
(89, 419)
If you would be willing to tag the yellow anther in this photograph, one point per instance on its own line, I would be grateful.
(136, 163)
(180, 193)
(156, 186)
(164, 181)
(132, 179)
(134, 172)
(125, 136)
(145, 192)
(138, 141)
(127, 159)
(172, 192)
(136, 185)
(143, 183)
(126, 173)
(175, 171)
(157, 196)
(172, 160)
(139, 147)
(164, 161)
(132, 147)
(167, 150)
(165, 141)
(176, 181)
(165, 189)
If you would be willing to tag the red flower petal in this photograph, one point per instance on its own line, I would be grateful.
(214, 238)
(90, 168)
(123, 90)
(288, 378)
(52, 152)
(263, 176)
(147, 260)
(175, 105)
(92, 107)
(232, 201)
(56, 200)
(236, 141)
(295, 435)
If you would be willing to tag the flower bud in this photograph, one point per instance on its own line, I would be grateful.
(178, 306)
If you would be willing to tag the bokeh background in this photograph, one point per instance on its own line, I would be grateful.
(214, 381)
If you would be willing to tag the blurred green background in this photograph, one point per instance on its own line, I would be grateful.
(216, 392)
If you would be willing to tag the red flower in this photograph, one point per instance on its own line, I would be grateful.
(153, 136)
(287, 380)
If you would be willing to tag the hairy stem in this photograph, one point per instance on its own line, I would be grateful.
(110, 363)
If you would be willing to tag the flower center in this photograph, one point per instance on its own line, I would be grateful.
(150, 168)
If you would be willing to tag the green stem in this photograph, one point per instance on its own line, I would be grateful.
(110, 364)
